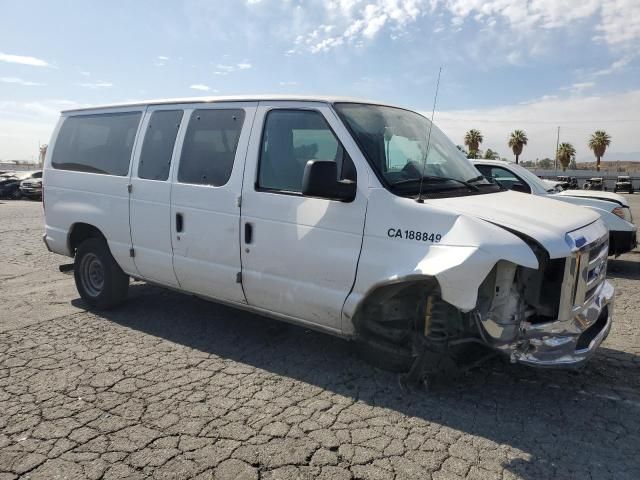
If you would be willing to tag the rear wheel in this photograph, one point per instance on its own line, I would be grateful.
(99, 279)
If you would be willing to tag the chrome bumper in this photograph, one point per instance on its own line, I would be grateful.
(572, 342)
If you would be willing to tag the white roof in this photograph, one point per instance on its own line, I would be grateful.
(235, 98)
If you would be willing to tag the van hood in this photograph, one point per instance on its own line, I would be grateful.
(545, 220)
(597, 195)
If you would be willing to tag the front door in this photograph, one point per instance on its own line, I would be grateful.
(205, 199)
(150, 198)
(299, 254)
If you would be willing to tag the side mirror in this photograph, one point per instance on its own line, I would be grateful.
(320, 180)
(519, 187)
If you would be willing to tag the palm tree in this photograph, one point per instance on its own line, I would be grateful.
(491, 155)
(472, 139)
(517, 141)
(565, 154)
(599, 142)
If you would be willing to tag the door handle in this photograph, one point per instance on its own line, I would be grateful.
(179, 222)
(248, 233)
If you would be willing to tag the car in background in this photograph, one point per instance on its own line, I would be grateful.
(564, 181)
(32, 186)
(568, 183)
(613, 209)
(552, 184)
(595, 183)
(10, 183)
(624, 184)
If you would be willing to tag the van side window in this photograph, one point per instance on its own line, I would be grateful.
(290, 139)
(157, 149)
(99, 143)
(210, 146)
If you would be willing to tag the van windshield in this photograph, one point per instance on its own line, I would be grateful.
(406, 150)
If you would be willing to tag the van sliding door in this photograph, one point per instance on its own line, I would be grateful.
(150, 196)
(205, 206)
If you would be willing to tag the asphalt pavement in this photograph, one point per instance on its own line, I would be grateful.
(170, 386)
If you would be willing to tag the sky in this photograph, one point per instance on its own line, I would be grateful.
(506, 64)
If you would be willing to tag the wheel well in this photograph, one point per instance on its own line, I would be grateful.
(79, 233)
(390, 312)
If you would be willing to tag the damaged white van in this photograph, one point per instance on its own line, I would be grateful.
(359, 219)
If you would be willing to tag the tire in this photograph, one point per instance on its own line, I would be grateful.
(16, 195)
(99, 279)
(384, 356)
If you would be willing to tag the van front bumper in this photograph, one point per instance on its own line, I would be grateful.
(568, 343)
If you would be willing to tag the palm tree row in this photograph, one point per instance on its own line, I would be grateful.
(598, 143)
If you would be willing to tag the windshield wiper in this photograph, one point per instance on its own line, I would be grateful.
(432, 179)
(476, 179)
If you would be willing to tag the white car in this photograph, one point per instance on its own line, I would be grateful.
(323, 212)
(613, 208)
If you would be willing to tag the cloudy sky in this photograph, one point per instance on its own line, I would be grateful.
(531, 64)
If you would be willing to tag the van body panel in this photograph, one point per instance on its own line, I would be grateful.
(206, 254)
(459, 250)
(150, 213)
(303, 256)
(96, 199)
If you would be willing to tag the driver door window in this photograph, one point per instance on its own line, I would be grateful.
(291, 138)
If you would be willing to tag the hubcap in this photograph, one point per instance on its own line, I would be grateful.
(92, 274)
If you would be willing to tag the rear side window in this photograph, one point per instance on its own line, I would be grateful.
(157, 148)
(290, 139)
(96, 143)
(210, 145)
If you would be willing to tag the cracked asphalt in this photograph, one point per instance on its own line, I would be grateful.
(171, 387)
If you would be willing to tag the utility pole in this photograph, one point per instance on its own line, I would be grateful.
(557, 145)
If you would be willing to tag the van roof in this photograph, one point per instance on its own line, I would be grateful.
(236, 98)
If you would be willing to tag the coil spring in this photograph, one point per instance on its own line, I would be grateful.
(435, 327)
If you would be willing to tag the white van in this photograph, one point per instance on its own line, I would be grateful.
(355, 218)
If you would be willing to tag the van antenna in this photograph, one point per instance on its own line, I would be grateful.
(426, 154)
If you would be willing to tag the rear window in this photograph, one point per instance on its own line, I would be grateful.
(96, 143)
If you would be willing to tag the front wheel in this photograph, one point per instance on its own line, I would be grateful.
(99, 279)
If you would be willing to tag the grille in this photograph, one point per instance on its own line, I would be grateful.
(586, 269)
(594, 269)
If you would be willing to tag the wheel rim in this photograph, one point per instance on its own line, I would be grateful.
(92, 274)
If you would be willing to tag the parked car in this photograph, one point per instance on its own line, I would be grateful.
(613, 209)
(568, 183)
(624, 184)
(595, 183)
(10, 184)
(325, 212)
(552, 184)
(32, 186)
(563, 180)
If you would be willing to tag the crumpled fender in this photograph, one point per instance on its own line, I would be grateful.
(466, 253)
